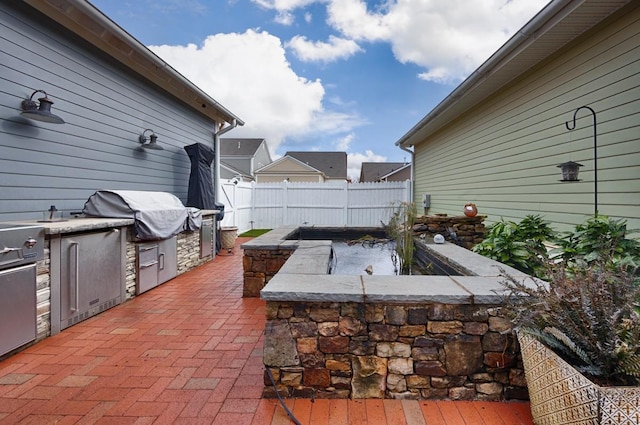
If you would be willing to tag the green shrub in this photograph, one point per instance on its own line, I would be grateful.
(599, 237)
(518, 245)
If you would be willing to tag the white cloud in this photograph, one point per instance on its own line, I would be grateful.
(283, 9)
(355, 160)
(280, 5)
(343, 143)
(319, 51)
(248, 73)
(353, 19)
(449, 39)
(284, 18)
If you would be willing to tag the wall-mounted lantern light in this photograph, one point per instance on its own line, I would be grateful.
(570, 169)
(41, 112)
(153, 141)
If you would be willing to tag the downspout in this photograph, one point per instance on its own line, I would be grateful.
(216, 146)
(413, 166)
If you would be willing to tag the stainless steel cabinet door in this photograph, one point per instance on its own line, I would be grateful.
(167, 259)
(17, 307)
(89, 275)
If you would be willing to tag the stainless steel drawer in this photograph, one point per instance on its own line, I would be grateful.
(17, 307)
(147, 276)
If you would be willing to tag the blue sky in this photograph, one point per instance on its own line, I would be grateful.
(346, 75)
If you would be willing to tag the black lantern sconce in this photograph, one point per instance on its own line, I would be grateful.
(153, 141)
(570, 169)
(41, 112)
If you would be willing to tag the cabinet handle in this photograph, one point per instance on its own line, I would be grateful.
(149, 264)
(161, 260)
(8, 250)
(76, 279)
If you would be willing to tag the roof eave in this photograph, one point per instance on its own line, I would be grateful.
(86, 21)
(548, 30)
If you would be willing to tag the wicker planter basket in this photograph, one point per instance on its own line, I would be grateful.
(559, 394)
(228, 236)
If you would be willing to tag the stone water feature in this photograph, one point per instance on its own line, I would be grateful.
(418, 337)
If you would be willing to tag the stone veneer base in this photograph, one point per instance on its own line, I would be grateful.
(418, 337)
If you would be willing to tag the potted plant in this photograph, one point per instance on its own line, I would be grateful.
(579, 330)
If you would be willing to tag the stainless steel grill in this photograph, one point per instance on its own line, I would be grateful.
(21, 246)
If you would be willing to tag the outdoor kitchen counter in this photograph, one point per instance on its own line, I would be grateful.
(85, 224)
(97, 239)
(81, 224)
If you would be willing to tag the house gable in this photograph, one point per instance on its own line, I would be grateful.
(288, 164)
(245, 155)
(376, 171)
(289, 169)
(332, 164)
(401, 174)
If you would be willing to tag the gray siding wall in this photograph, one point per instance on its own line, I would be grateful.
(261, 158)
(105, 106)
(503, 155)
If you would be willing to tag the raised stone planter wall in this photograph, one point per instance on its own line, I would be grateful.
(422, 337)
(469, 231)
(362, 350)
(263, 257)
(259, 266)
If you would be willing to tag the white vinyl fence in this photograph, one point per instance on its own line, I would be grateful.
(271, 205)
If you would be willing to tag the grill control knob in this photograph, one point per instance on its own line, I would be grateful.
(31, 242)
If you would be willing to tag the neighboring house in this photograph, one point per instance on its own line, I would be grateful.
(305, 167)
(384, 172)
(497, 139)
(240, 158)
(109, 89)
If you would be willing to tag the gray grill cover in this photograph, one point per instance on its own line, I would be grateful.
(157, 215)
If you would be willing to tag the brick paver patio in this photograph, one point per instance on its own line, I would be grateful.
(189, 352)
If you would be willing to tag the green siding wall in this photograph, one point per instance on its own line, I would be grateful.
(503, 155)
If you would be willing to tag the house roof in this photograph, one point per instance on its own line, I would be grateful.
(294, 166)
(89, 23)
(560, 22)
(235, 171)
(374, 171)
(230, 146)
(332, 164)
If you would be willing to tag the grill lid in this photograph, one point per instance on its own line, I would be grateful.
(157, 215)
